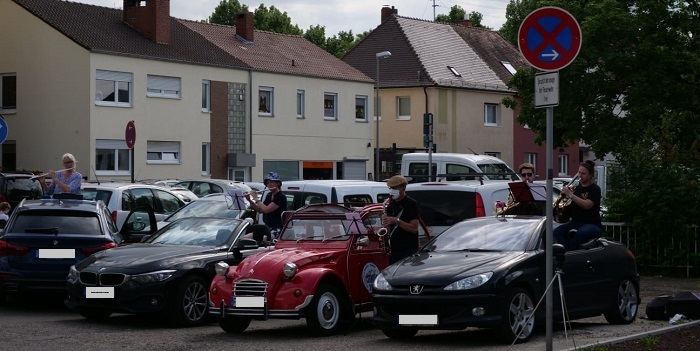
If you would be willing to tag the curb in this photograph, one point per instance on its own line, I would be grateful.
(636, 336)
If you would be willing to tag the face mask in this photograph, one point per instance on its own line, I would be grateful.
(394, 193)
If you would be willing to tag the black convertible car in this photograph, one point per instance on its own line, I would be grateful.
(490, 272)
(168, 272)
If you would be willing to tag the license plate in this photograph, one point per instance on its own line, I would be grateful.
(418, 319)
(56, 253)
(99, 292)
(248, 301)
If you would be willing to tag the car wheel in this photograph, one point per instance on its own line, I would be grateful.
(191, 302)
(95, 315)
(518, 317)
(400, 333)
(624, 311)
(234, 325)
(327, 312)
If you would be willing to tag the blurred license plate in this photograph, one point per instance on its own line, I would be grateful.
(99, 292)
(417, 319)
(248, 301)
(56, 253)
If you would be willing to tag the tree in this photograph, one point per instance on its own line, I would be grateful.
(631, 93)
(457, 14)
(339, 44)
(273, 20)
(317, 35)
(225, 12)
(516, 11)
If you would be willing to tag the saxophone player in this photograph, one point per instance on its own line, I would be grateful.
(402, 218)
(584, 210)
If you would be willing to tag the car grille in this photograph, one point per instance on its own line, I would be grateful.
(250, 287)
(105, 279)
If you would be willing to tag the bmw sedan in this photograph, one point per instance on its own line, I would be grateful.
(169, 272)
(489, 272)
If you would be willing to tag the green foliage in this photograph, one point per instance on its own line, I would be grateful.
(457, 13)
(649, 341)
(274, 20)
(225, 12)
(317, 35)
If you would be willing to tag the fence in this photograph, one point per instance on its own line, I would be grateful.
(666, 254)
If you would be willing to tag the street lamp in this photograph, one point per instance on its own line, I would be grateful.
(383, 54)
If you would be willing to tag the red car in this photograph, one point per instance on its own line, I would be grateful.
(322, 269)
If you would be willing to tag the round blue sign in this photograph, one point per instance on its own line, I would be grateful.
(3, 129)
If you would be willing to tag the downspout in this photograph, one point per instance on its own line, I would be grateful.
(430, 138)
(250, 117)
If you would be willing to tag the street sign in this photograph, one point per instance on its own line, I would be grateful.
(130, 135)
(547, 89)
(549, 38)
(3, 129)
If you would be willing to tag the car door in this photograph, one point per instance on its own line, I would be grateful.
(139, 223)
(145, 196)
(366, 258)
(584, 278)
(168, 202)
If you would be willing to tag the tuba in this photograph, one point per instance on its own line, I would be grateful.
(562, 202)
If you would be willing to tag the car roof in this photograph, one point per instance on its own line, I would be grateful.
(116, 185)
(60, 204)
(17, 175)
(458, 185)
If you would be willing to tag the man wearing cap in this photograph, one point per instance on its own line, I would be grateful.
(274, 204)
(402, 217)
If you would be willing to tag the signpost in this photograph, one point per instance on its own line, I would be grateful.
(549, 39)
(130, 138)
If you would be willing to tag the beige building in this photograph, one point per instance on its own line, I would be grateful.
(225, 105)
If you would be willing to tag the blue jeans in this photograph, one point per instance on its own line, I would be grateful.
(585, 232)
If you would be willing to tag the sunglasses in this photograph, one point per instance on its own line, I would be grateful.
(526, 174)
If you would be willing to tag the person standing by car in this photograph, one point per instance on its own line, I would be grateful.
(527, 172)
(401, 217)
(274, 204)
(67, 180)
(584, 210)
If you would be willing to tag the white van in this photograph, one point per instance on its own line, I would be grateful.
(451, 166)
(305, 192)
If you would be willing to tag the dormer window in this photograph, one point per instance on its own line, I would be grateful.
(454, 71)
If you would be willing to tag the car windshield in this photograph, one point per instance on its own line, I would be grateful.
(498, 171)
(315, 229)
(23, 188)
(94, 195)
(56, 222)
(485, 235)
(203, 208)
(196, 231)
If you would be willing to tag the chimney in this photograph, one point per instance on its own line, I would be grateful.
(150, 17)
(465, 23)
(245, 25)
(387, 12)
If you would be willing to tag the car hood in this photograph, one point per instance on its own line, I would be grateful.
(438, 268)
(269, 264)
(138, 257)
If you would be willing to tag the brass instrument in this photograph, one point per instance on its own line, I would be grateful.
(47, 173)
(562, 202)
(384, 231)
(501, 209)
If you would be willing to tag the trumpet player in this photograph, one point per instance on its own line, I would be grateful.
(67, 180)
(401, 219)
(274, 204)
(584, 210)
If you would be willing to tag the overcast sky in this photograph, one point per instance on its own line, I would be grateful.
(339, 15)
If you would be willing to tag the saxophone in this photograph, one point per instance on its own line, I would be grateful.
(384, 231)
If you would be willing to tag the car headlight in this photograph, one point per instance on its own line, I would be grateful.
(470, 282)
(153, 277)
(380, 283)
(73, 275)
(290, 269)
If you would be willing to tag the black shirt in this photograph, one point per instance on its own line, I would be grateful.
(274, 219)
(591, 215)
(402, 239)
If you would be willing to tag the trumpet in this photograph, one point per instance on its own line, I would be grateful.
(47, 173)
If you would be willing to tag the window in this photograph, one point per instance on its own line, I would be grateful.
(491, 115)
(236, 174)
(454, 71)
(563, 165)
(266, 103)
(206, 158)
(403, 106)
(113, 88)
(163, 152)
(330, 106)
(163, 87)
(285, 169)
(112, 157)
(509, 67)
(301, 104)
(206, 96)
(8, 93)
(361, 108)
(531, 158)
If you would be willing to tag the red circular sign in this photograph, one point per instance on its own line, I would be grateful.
(549, 38)
(130, 135)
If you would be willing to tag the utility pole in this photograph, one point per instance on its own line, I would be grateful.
(434, 6)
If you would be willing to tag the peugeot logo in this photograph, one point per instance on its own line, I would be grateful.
(416, 289)
(55, 242)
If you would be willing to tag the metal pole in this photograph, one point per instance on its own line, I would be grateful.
(549, 238)
(376, 112)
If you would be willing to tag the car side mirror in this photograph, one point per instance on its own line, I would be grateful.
(247, 244)
(362, 241)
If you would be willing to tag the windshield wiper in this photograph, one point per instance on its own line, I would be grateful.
(49, 230)
(478, 250)
(334, 237)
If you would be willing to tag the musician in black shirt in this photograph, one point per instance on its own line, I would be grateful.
(584, 210)
(401, 217)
